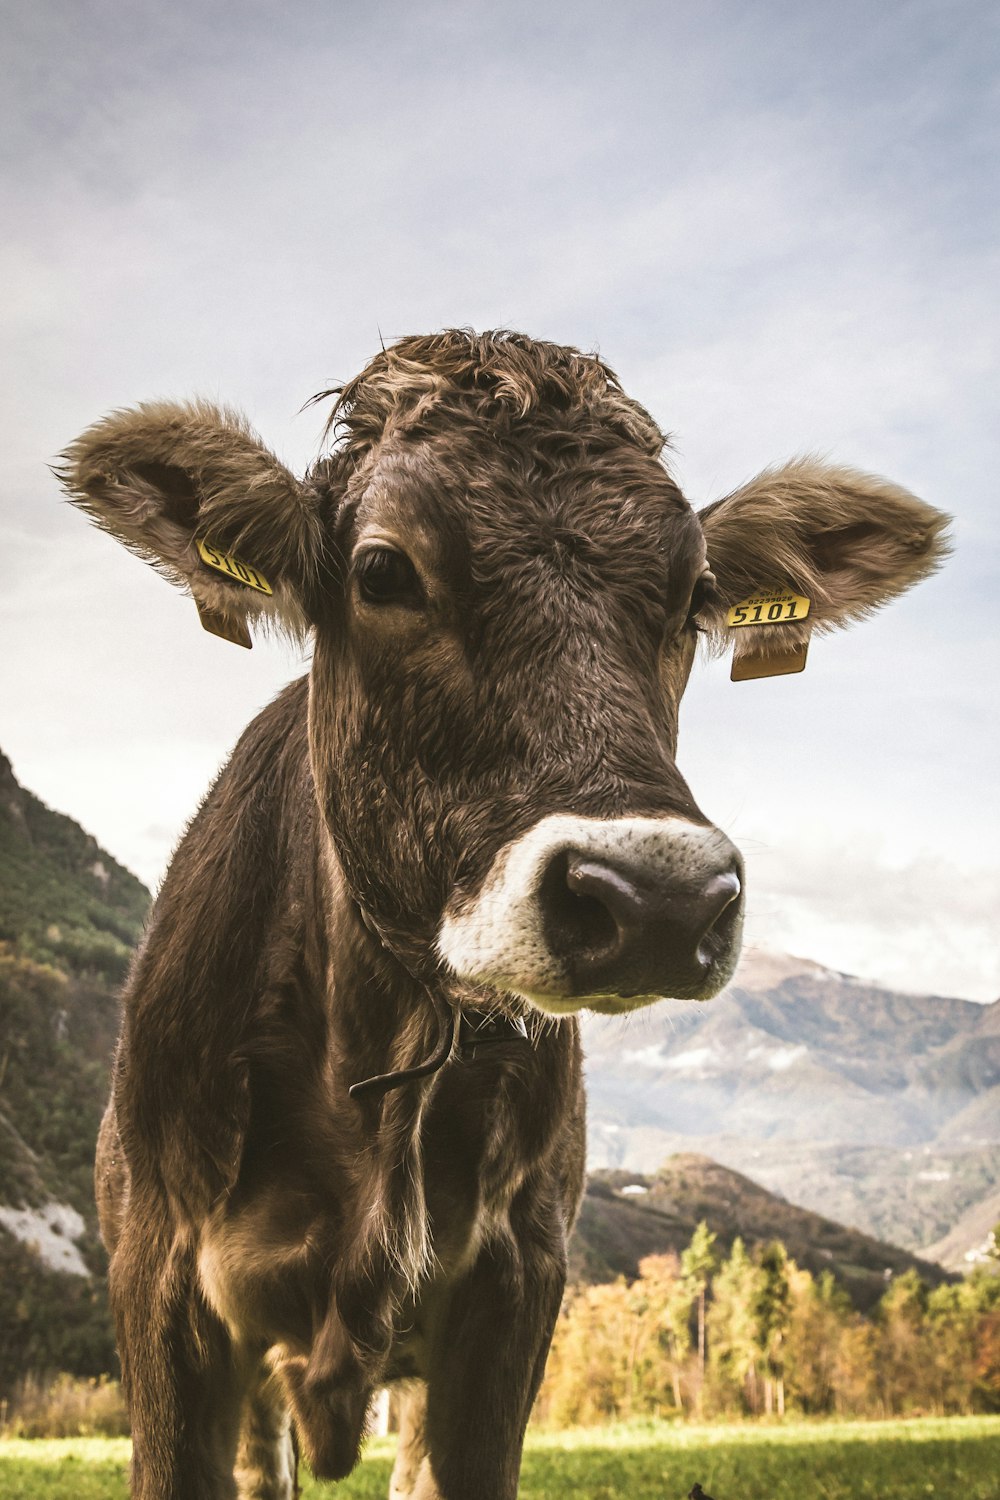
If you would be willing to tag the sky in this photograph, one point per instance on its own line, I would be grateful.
(778, 223)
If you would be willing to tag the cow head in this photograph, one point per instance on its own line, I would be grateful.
(505, 588)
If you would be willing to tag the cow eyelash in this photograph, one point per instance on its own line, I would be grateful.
(387, 576)
(704, 595)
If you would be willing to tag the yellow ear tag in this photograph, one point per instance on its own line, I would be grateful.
(769, 607)
(775, 664)
(220, 624)
(232, 567)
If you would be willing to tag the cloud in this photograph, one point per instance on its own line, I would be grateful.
(927, 925)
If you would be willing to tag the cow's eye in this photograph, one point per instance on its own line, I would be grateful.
(386, 576)
(704, 594)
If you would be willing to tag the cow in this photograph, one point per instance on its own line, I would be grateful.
(345, 1141)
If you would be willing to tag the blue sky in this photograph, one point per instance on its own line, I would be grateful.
(777, 222)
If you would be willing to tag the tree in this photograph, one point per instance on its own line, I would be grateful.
(856, 1380)
(902, 1352)
(771, 1310)
(669, 1305)
(734, 1347)
(698, 1262)
(590, 1356)
(819, 1314)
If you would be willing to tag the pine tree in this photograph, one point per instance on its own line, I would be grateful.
(771, 1310)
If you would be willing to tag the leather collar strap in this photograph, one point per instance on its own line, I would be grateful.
(476, 1030)
(448, 1023)
(461, 1033)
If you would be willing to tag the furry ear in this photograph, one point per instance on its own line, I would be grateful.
(164, 476)
(847, 541)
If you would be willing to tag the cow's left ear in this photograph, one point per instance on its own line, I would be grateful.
(846, 541)
(191, 489)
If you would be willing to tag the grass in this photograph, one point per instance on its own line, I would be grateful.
(64, 1468)
(950, 1459)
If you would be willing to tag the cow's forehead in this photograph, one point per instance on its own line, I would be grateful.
(474, 499)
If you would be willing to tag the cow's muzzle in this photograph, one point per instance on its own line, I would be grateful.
(607, 914)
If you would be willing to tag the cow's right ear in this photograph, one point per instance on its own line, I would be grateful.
(191, 489)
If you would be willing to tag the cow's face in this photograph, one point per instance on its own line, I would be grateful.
(506, 589)
(494, 716)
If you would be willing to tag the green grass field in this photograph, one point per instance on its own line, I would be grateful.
(956, 1459)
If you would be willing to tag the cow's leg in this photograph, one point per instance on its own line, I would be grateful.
(183, 1380)
(329, 1394)
(486, 1363)
(266, 1465)
(411, 1447)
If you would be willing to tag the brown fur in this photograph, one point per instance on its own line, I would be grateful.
(273, 1241)
(846, 540)
(147, 474)
(498, 379)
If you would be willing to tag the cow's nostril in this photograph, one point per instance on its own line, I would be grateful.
(719, 909)
(581, 907)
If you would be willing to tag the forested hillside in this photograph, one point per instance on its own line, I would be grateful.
(63, 900)
(627, 1216)
(69, 918)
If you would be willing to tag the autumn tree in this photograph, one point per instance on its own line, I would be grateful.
(769, 1335)
(901, 1349)
(698, 1262)
(669, 1304)
(856, 1383)
(733, 1330)
(820, 1312)
(586, 1378)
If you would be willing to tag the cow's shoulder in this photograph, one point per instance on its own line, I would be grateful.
(233, 863)
(198, 981)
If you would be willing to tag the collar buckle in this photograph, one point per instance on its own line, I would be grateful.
(477, 1030)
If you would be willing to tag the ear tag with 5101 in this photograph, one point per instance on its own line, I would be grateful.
(216, 620)
(769, 607)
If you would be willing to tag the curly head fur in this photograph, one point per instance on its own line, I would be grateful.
(426, 383)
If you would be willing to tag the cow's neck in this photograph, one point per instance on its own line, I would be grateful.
(464, 1028)
(408, 1173)
(394, 1032)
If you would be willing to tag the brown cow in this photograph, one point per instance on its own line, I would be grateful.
(465, 825)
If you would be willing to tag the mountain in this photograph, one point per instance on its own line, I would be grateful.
(877, 1108)
(627, 1215)
(69, 918)
(63, 900)
(972, 1239)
